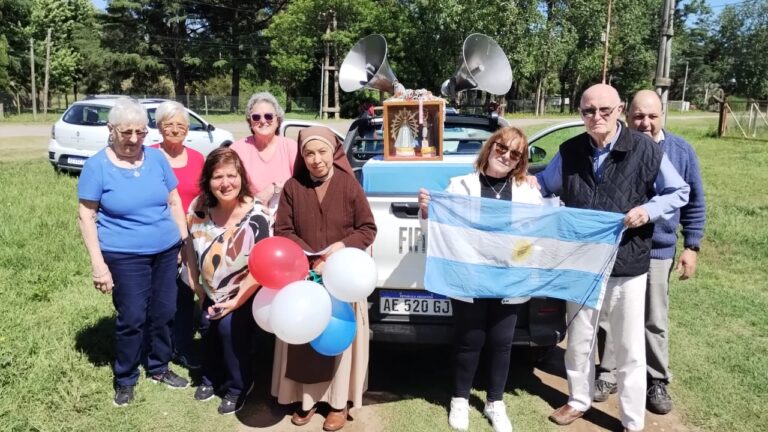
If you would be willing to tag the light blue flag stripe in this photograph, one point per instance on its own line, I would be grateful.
(457, 279)
(562, 223)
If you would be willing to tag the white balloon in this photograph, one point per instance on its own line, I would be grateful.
(350, 275)
(300, 312)
(262, 307)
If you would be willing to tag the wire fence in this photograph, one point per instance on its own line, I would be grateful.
(744, 119)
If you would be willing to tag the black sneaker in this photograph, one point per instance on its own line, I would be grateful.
(204, 393)
(231, 404)
(123, 395)
(170, 379)
(603, 389)
(659, 401)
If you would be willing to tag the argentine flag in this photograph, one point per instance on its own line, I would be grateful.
(485, 248)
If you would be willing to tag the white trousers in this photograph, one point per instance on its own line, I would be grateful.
(623, 307)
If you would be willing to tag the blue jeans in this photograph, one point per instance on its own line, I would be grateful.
(184, 321)
(144, 296)
(228, 349)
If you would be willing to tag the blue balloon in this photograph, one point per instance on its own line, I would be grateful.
(339, 333)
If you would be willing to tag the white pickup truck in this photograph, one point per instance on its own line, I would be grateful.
(400, 310)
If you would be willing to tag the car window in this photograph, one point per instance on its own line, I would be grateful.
(464, 139)
(86, 115)
(551, 141)
(195, 124)
(152, 120)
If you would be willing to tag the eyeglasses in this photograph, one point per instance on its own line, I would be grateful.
(128, 133)
(268, 117)
(604, 111)
(172, 126)
(502, 149)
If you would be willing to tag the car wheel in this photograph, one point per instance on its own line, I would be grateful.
(226, 144)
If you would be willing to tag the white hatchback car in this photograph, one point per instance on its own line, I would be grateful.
(82, 131)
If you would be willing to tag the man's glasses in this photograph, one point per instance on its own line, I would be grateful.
(172, 126)
(128, 133)
(604, 111)
(502, 149)
(267, 117)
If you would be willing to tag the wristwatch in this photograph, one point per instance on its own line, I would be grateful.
(693, 248)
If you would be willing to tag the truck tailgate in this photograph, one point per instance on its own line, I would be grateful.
(400, 248)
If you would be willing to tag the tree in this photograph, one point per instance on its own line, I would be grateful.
(14, 46)
(72, 24)
(237, 28)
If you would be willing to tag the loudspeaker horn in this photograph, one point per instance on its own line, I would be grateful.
(484, 67)
(366, 66)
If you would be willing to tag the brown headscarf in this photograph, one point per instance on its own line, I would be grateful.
(300, 170)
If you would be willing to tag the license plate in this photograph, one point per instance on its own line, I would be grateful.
(75, 161)
(414, 303)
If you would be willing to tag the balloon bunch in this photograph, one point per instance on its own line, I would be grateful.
(300, 311)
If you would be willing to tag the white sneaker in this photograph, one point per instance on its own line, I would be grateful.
(458, 418)
(497, 414)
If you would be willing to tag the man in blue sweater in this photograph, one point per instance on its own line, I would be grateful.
(645, 115)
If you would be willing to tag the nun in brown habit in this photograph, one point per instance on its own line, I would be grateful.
(323, 207)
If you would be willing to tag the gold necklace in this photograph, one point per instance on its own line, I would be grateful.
(498, 194)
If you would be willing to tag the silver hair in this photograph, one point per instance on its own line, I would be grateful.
(170, 109)
(268, 98)
(128, 111)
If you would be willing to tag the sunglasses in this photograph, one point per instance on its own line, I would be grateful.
(127, 133)
(502, 149)
(592, 112)
(267, 117)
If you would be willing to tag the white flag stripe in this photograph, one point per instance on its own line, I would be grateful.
(473, 246)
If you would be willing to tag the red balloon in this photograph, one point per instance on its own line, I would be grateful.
(277, 261)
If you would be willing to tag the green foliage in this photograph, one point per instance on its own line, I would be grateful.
(14, 45)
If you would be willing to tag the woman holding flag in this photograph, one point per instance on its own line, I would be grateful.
(500, 173)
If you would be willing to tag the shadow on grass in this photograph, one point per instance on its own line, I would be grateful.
(424, 372)
(97, 342)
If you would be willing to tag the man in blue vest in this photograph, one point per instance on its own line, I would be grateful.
(645, 115)
(613, 168)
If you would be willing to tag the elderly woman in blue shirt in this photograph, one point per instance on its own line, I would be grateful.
(133, 225)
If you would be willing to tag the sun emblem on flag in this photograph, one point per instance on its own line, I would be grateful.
(522, 250)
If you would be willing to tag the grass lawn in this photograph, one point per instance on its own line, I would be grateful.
(56, 331)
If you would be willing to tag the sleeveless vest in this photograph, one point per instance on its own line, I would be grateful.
(629, 173)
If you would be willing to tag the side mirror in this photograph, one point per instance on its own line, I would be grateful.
(536, 154)
(210, 127)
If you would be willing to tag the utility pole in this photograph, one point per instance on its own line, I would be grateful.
(327, 69)
(605, 44)
(685, 81)
(47, 68)
(32, 67)
(662, 80)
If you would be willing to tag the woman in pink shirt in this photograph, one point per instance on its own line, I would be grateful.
(187, 164)
(268, 157)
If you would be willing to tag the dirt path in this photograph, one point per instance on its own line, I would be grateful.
(604, 416)
(390, 385)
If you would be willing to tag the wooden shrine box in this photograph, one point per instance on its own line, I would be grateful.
(404, 139)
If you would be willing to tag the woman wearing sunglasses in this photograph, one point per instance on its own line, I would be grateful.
(132, 223)
(500, 173)
(268, 157)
